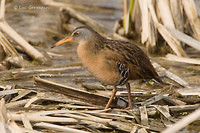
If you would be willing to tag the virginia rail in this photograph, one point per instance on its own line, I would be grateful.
(113, 62)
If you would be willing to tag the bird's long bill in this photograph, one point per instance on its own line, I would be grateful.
(67, 39)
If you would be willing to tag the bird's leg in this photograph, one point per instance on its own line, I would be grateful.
(114, 91)
(130, 106)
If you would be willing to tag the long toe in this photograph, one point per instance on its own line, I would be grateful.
(129, 107)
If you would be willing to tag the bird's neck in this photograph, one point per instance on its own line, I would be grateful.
(92, 46)
(86, 52)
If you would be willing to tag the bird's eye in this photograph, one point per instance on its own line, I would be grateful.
(76, 34)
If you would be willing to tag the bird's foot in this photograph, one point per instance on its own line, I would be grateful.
(129, 107)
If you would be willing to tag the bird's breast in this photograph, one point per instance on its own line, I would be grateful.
(97, 66)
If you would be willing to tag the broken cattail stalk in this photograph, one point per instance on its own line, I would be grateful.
(175, 6)
(171, 75)
(172, 57)
(59, 128)
(30, 50)
(172, 42)
(185, 38)
(165, 13)
(183, 122)
(145, 20)
(13, 57)
(192, 15)
(78, 94)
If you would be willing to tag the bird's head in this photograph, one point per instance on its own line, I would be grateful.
(80, 35)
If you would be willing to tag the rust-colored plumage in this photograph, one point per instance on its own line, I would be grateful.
(112, 62)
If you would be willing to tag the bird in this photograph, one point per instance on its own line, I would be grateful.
(113, 62)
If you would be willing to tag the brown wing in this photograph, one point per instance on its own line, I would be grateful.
(133, 57)
(113, 58)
